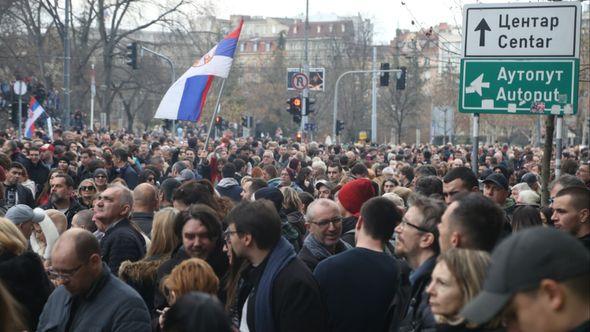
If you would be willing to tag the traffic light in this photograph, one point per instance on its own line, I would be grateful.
(309, 105)
(339, 127)
(384, 77)
(298, 137)
(245, 121)
(295, 108)
(401, 79)
(218, 122)
(131, 55)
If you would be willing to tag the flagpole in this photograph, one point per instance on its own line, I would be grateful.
(215, 112)
(92, 95)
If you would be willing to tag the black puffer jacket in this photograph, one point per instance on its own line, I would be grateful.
(25, 278)
(120, 243)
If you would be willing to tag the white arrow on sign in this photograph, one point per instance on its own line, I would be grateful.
(476, 85)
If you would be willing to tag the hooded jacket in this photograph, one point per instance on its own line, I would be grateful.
(229, 187)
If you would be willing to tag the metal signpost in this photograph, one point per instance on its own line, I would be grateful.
(519, 58)
(20, 88)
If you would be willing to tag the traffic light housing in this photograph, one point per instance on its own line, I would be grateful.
(131, 55)
(384, 77)
(295, 108)
(401, 79)
(339, 127)
(245, 121)
(309, 105)
(298, 136)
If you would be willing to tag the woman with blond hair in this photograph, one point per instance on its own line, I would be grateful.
(22, 273)
(142, 275)
(456, 279)
(87, 191)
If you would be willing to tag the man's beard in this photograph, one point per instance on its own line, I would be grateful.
(56, 199)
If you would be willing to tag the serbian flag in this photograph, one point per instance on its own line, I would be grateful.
(185, 99)
(35, 111)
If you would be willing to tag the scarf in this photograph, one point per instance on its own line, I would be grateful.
(318, 250)
(280, 256)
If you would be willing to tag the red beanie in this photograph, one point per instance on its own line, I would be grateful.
(354, 194)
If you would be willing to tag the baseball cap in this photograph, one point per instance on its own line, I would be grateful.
(497, 179)
(323, 182)
(21, 213)
(520, 262)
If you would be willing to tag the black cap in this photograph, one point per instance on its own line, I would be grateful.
(529, 178)
(497, 179)
(520, 263)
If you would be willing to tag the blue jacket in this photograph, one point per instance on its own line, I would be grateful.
(128, 174)
(109, 305)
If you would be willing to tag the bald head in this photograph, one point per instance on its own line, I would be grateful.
(145, 198)
(76, 242)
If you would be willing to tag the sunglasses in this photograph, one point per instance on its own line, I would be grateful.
(100, 177)
(88, 188)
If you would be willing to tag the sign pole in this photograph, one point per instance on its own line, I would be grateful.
(475, 150)
(20, 117)
(215, 112)
(559, 146)
(374, 98)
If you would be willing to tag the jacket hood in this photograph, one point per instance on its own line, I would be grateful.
(228, 182)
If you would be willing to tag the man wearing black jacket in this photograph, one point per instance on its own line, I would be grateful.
(122, 241)
(38, 172)
(123, 169)
(62, 186)
(14, 192)
(417, 242)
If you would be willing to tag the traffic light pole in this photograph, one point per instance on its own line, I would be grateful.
(66, 123)
(335, 115)
(215, 112)
(173, 77)
(305, 69)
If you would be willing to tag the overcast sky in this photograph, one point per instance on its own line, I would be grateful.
(386, 15)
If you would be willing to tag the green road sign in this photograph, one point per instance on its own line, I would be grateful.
(526, 86)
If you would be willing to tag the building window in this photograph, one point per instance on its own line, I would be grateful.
(267, 47)
(255, 47)
(331, 28)
(295, 30)
(274, 29)
(242, 47)
(319, 29)
(343, 28)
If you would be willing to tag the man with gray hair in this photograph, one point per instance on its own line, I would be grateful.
(122, 240)
(324, 224)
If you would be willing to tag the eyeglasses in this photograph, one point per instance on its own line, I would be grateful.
(422, 229)
(88, 188)
(100, 177)
(323, 223)
(228, 233)
(64, 274)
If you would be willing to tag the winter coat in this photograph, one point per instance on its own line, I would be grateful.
(128, 174)
(74, 208)
(24, 195)
(121, 242)
(109, 305)
(25, 278)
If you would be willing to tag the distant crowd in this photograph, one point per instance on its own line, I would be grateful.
(121, 232)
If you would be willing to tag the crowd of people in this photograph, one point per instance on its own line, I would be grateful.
(122, 232)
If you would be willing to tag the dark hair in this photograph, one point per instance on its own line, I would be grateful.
(228, 170)
(258, 218)
(87, 151)
(69, 180)
(429, 185)
(359, 169)
(306, 198)
(121, 154)
(432, 211)
(525, 216)
(196, 312)
(480, 220)
(192, 192)
(425, 170)
(167, 188)
(239, 164)
(569, 166)
(203, 213)
(380, 217)
(408, 172)
(145, 174)
(580, 197)
(257, 183)
(466, 175)
(271, 171)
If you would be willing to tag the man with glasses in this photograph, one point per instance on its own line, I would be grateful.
(324, 224)
(359, 284)
(61, 199)
(417, 242)
(89, 297)
(14, 192)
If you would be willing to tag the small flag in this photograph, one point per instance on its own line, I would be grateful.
(185, 99)
(35, 111)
